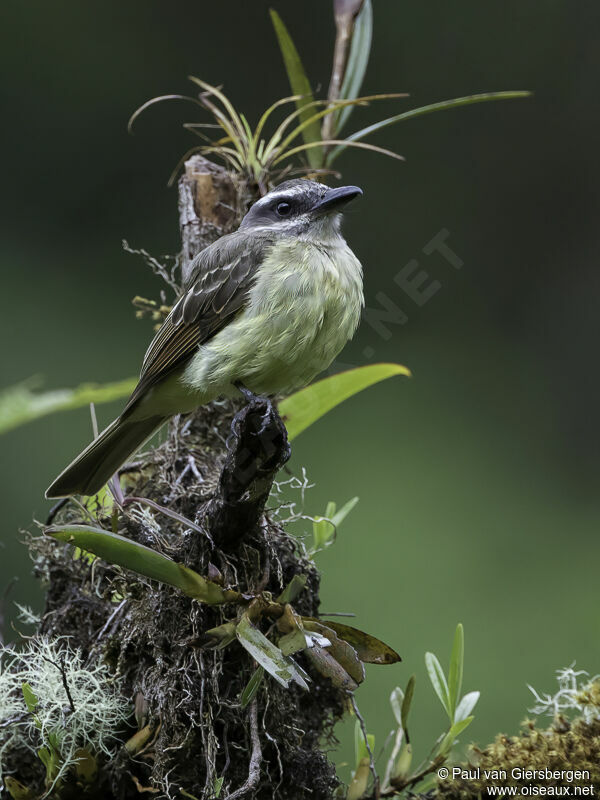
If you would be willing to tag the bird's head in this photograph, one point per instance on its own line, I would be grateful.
(301, 208)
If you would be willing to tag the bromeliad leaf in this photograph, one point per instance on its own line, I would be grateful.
(300, 86)
(420, 112)
(264, 652)
(119, 550)
(302, 408)
(438, 681)
(369, 649)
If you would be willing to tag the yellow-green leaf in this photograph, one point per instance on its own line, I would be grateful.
(30, 698)
(126, 553)
(360, 780)
(17, 790)
(293, 589)
(369, 649)
(302, 408)
(20, 403)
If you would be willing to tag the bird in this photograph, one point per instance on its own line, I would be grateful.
(264, 309)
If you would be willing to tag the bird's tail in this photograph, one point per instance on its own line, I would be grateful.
(103, 457)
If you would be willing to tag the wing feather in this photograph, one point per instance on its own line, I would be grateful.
(224, 273)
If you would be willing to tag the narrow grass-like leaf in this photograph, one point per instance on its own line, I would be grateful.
(252, 687)
(361, 145)
(264, 652)
(369, 649)
(302, 408)
(438, 681)
(455, 671)
(466, 705)
(420, 112)
(20, 403)
(341, 515)
(358, 58)
(406, 704)
(299, 83)
(126, 553)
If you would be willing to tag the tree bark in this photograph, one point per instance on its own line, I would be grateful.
(216, 469)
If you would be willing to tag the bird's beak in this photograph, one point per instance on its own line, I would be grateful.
(335, 199)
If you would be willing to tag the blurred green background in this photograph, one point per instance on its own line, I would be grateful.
(477, 478)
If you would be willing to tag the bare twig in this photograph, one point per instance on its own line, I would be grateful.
(255, 759)
(363, 727)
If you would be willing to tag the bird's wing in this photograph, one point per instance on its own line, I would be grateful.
(225, 274)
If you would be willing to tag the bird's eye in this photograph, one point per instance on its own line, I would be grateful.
(283, 209)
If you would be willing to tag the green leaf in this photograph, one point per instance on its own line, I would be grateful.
(455, 672)
(252, 687)
(453, 733)
(406, 704)
(126, 553)
(438, 681)
(300, 86)
(325, 528)
(218, 786)
(20, 403)
(293, 642)
(358, 58)
(369, 649)
(264, 652)
(302, 408)
(420, 112)
(293, 589)
(466, 705)
(30, 698)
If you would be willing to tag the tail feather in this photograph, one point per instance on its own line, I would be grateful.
(103, 457)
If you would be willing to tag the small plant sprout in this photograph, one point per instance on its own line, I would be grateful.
(325, 528)
(399, 777)
(576, 692)
(59, 709)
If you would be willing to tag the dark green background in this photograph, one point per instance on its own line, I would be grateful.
(477, 478)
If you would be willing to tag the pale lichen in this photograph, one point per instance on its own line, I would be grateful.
(75, 706)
